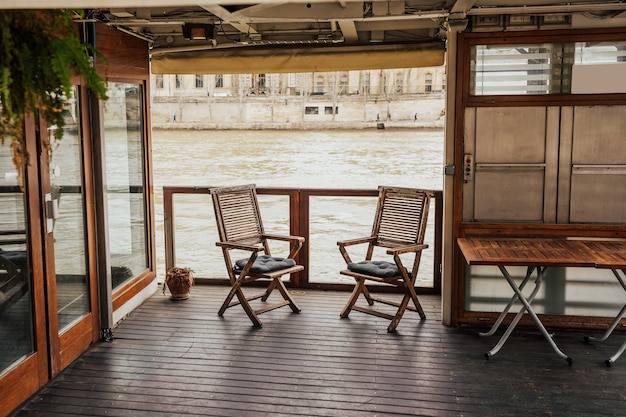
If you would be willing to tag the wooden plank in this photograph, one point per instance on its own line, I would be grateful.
(180, 358)
(526, 252)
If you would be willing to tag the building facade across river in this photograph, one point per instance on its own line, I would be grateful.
(411, 97)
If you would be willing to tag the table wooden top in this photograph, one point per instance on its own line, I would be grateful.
(544, 252)
(610, 254)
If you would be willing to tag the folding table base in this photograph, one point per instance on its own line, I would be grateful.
(526, 308)
(613, 325)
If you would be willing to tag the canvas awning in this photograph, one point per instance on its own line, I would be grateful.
(281, 59)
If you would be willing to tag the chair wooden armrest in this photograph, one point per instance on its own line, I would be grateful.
(406, 249)
(284, 238)
(357, 241)
(234, 245)
(296, 242)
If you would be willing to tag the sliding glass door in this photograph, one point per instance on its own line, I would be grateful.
(16, 303)
(125, 178)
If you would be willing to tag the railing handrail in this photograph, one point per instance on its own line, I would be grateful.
(299, 225)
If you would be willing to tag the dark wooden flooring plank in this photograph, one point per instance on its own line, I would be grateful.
(180, 358)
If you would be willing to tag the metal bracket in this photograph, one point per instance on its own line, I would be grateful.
(107, 334)
(52, 211)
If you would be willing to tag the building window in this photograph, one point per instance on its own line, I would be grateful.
(399, 82)
(428, 83)
(331, 110)
(343, 84)
(311, 110)
(262, 83)
(366, 83)
(158, 82)
(179, 81)
(199, 80)
(219, 81)
(319, 84)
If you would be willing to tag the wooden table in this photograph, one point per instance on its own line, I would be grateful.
(611, 255)
(537, 255)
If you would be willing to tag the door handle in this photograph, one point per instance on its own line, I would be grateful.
(52, 211)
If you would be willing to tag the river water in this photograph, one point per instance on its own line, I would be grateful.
(361, 159)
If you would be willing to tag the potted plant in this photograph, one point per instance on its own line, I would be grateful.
(179, 281)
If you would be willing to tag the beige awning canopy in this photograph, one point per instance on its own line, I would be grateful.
(263, 59)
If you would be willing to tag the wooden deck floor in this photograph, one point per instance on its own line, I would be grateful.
(181, 359)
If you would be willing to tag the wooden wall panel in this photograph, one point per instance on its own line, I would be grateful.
(125, 56)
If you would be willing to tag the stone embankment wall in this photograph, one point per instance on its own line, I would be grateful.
(296, 112)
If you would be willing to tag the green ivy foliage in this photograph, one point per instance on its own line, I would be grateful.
(39, 52)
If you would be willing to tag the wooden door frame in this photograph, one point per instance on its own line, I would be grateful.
(32, 373)
(464, 100)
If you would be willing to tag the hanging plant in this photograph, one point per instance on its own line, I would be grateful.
(39, 53)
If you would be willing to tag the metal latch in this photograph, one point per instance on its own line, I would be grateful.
(52, 211)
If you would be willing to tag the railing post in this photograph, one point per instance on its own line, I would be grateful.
(302, 229)
(438, 249)
(168, 228)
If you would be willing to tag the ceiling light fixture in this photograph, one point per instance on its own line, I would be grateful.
(194, 32)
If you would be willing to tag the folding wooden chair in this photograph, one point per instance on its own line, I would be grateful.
(399, 227)
(241, 229)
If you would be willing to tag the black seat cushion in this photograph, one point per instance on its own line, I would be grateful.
(380, 269)
(18, 258)
(265, 263)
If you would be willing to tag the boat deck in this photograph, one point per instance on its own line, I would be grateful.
(180, 359)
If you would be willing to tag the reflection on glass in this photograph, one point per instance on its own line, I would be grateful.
(16, 331)
(66, 181)
(586, 292)
(536, 68)
(126, 199)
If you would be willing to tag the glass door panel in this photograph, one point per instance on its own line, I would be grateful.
(125, 177)
(16, 304)
(68, 220)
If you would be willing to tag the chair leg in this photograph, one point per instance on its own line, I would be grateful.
(358, 289)
(401, 309)
(269, 290)
(416, 302)
(276, 282)
(408, 295)
(236, 291)
(366, 294)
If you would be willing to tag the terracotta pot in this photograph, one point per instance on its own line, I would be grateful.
(179, 281)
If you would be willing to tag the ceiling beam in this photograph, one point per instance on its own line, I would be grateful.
(463, 6)
(89, 4)
(348, 29)
(231, 19)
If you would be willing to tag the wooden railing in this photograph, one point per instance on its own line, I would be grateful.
(299, 199)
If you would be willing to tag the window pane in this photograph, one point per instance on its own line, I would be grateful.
(538, 68)
(70, 254)
(125, 179)
(16, 331)
(600, 52)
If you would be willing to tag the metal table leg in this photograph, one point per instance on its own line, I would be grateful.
(613, 325)
(497, 323)
(526, 307)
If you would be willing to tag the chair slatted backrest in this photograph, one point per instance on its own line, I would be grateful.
(401, 216)
(237, 214)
